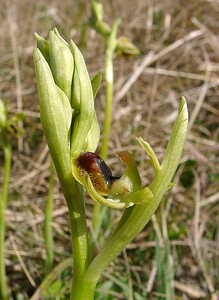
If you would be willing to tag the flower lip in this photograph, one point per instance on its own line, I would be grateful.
(98, 171)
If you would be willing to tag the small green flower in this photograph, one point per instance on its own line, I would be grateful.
(125, 46)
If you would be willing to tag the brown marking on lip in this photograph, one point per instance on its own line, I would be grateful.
(98, 171)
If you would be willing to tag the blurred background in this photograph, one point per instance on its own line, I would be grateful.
(177, 255)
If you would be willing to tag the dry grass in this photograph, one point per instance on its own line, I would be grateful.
(179, 46)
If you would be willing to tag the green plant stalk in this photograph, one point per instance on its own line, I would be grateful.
(3, 202)
(110, 43)
(48, 231)
(135, 218)
(73, 194)
(80, 253)
(167, 267)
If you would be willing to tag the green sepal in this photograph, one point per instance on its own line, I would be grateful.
(61, 63)
(131, 170)
(67, 107)
(43, 46)
(55, 30)
(76, 91)
(83, 122)
(93, 136)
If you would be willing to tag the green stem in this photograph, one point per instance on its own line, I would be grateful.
(3, 202)
(135, 218)
(110, 44)
(48, 231)
(110, 48)
(74, 197)
(73, 194)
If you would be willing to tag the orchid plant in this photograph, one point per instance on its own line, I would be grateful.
(68, 117)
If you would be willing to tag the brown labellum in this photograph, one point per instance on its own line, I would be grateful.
(98, 171)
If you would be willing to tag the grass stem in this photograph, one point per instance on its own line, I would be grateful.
(110, 48)
(3, 202)
(110, 43)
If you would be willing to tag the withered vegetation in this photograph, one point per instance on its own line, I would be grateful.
(179, 47)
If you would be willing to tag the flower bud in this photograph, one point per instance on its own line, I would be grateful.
(61, 63)
(125, 46)
(96, 19)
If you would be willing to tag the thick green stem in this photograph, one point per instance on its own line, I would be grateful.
(74, 197)
(73, 194)
(3, 202)
(84, 291)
